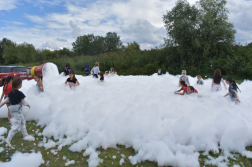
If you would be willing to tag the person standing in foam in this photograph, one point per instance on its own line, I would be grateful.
(184, 78)
(101, 76)
(96, 70)
(16, 99)
(216, 81)
(7, 88)
(183, 88)
(67, 69)
(232, 90)
(72, 81)
(38, 78)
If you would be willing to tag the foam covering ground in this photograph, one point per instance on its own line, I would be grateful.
(142, 112)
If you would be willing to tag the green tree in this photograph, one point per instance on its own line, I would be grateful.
(198, 33)
(112, 42)
(26, 52)
(132, 46)
(10, 52)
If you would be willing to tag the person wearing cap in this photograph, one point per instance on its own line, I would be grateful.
(184, 78)
(86, 68)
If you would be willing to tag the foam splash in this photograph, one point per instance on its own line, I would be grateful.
(142, 112)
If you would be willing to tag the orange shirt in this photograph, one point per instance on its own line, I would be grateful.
(7, 89)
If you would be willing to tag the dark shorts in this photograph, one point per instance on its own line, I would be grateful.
(95, 75)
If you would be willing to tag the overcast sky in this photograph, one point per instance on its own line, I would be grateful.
(54, 24)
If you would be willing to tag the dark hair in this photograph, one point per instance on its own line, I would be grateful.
(16, 82)
(39, 76)
(112, 69)
(68, 65)
(183, 83)
(72, 72)
(232, 81)
(101, 74)
(7, 80)
(217, 73)
(192, 88)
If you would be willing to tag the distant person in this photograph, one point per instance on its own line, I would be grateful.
(67, 69)
(199, 80)
(101, 76)
(184, 78)
(106, 73)
(232, 90)
(160, 71)
(72, 81)
(190, 90)
(38, 78)
(7, 88)
(183, 88)
(96, 70)
(42, 63)
(112, 71)
(16, 99)
(216, 81)
(86, 68)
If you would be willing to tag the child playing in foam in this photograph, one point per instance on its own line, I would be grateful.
(199, 81)
(160, 71)
(232, 90)
(95, 70)
(101, 76)
(38, 78)
(72, 81)
(7, 88)
(184, 78)
(190, 90)
(216, 81)
(16, 99)
(183, 88)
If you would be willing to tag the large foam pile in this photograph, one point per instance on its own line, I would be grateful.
(142, 112)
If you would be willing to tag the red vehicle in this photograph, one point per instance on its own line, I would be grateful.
(16, 71)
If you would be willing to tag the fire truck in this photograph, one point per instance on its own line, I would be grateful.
(16, 71)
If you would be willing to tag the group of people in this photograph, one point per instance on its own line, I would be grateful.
(216, 84)
(72, 81)
(15, 99)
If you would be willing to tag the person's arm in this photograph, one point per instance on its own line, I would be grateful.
(5, 102)
(25, 103)
(66, 82)
(226, 95)
(188, 82)
(212, 83)
(223, 83)
(77, 83)
(99, 70)
(237, 98)
(177, 92)
(41, 87)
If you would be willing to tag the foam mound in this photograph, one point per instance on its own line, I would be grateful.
(142, 112)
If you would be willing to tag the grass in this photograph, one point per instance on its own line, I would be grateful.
(52, 160)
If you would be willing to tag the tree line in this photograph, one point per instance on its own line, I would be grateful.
(199, 39)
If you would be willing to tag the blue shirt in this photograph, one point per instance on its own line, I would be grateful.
(86, 66)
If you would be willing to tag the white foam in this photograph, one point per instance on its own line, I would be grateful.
(24, 160)
(142, 112)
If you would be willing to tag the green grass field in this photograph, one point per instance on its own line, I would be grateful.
(52, 160)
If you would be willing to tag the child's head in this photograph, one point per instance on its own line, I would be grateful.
(112, 69)
(8, 79)
(183, 72)
(159, 69)
(182, 84)
(217, 73)
(72, 74)
(199, 77)
(97, 64)
(17, 83)
(38, 77)
(190, 89)
(106, 73)
(231, 81)
(68, 65)
(101, 74)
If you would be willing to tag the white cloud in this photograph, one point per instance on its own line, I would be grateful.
(7, 4)
(76, 30)
(139, 20)
(50, 45)
(61, 39)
